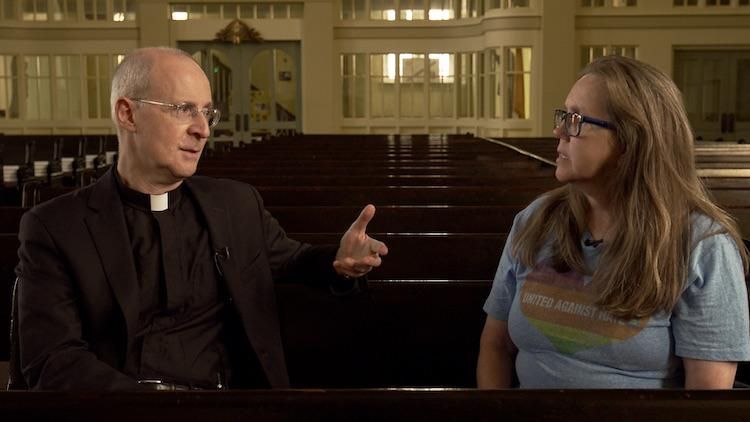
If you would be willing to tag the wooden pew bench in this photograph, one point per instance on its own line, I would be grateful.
(59, 159)
(282, 169)
(416, 333)
(742, 158)
(388, 219)
(346, 165)
(740, 183)
(416, 257)
(464, 256)
(8, 260)
(437, 195)
(731, 198)
(372, 151)
(399, 218)
(379, 195)
(380, 405)
(10, 196)
(394, 195)
(10, 217)
(426, 181)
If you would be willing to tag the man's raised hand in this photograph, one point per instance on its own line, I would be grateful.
(358, 253)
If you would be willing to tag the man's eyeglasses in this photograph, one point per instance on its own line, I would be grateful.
(187, 111)
(571, 122)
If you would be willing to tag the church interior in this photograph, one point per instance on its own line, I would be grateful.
(439, 112)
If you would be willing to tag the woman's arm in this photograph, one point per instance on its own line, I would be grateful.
(707, 374)
(496, 356)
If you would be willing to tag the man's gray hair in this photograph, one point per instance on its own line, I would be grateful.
(133, 75)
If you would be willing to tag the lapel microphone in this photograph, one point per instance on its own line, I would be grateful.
(220, 254)
(223, 252)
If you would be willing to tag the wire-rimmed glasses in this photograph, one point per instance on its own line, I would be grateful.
(187, 111)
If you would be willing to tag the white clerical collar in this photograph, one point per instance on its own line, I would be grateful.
(160, 202)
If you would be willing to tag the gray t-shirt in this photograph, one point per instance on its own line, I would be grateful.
(565, 341)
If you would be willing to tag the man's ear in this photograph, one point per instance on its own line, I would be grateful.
(124, 114)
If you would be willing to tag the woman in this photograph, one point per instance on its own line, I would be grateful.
(628, 276)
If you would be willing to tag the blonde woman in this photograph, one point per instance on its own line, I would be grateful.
(629, 276)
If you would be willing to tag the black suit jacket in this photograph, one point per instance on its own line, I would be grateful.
(78, 292)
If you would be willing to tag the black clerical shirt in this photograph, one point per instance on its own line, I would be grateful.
(185, 326)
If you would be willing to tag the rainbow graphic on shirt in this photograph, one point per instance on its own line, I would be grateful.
(561, 306)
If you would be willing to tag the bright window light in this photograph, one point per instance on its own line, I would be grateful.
(402, 59)
(118, 17)
(179, 16)
(444, 64)
(390, 14)
(390, 67)
(439, 14)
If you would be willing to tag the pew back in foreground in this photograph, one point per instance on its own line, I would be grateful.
(468, 261)
(393, 334)
(382, 405)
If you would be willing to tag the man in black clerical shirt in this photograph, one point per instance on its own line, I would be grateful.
(155, 278)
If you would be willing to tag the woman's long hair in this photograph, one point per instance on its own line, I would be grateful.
(655, 189)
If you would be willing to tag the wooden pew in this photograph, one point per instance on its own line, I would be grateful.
(707, 154)
(742, 158)
(417, 257)
(280, 169)
(307, 147)
(379, 155)
(67, 160)
(386, 325)
(731, 198)
(8, 260)
(364, 161)
(399, 218)
(10, 196)
(361, 195)
(390, 219)
(721, 164)
(479, 151)
(235, 162)
(742, 217)
(16, 161)
(415, 333)
(463, 256)
(394, 358)
(10, 217)
(390, 180)
(742, 183)
(382, 405)
(394, 195)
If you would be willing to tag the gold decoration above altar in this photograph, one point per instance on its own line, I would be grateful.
(238, 32)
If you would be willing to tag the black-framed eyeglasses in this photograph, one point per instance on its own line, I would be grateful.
(571, 122)
(187, 112)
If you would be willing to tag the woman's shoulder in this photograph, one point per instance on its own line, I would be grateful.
(526, 215)
(703, 227)
(715, 260)
(532, 208)
(710, 239)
